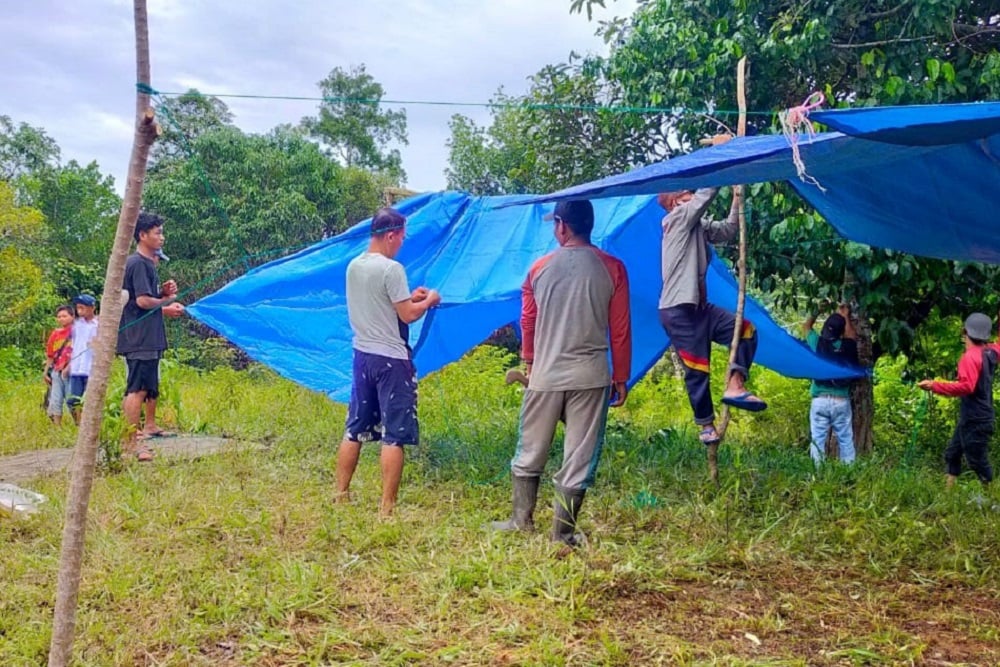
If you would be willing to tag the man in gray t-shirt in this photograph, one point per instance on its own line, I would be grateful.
(383, 403)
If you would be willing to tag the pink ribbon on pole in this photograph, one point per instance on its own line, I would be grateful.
(795, 121)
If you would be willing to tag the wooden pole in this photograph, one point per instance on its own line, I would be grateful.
(85, 456)
(741, 130)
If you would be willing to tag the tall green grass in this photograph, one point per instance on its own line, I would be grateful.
(242, 558)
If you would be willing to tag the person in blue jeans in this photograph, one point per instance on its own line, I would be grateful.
(831, 399)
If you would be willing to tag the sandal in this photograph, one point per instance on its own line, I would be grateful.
(745, 401)
(140, 453)
(709, 436)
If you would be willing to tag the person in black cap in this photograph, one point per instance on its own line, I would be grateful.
(383, 405)
(685, 312)
(142, 337)
(84, 331)
(574, 309)
(974, 387)
(830, 408)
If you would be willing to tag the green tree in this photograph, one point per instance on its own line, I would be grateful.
(25, 295)
(353, 128)
(682, 54)
(183, 119)
(24, 149)
(81, 210)
(270, 194)
(560, 133)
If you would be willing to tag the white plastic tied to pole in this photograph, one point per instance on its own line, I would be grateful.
(18, 502)
(795, 121)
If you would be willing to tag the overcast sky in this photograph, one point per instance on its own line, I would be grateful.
(68, 66)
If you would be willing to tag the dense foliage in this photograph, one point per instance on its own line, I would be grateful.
(231, 201)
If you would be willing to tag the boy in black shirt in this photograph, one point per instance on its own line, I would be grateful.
(142, 337)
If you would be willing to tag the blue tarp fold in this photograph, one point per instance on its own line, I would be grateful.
(291, 314)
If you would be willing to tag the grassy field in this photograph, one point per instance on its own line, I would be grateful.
(242, 559)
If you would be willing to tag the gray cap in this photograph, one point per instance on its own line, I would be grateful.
(979, 327)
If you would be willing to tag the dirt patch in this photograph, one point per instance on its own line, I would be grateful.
(822, 618)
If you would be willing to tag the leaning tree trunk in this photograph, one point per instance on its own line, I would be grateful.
(85, 455)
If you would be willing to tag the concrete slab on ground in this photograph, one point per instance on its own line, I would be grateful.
(26, 466)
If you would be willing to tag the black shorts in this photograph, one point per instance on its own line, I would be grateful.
(143, 375)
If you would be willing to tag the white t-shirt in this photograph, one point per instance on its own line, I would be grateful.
(374, 284)
(83, 356)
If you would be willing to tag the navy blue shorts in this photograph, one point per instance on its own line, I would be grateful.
(383, 401)
(77, 385)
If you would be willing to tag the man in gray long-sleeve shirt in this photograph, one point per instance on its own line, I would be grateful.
(574, 311)
(689, 319)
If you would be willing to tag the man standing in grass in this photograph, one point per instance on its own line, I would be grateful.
(383, 404)
(574, 301)
(974, 387)
(142, 336)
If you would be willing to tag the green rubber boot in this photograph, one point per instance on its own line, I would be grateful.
(566, 508)
(525, 496)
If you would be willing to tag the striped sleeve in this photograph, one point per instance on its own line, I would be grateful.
(529, 311)
(619, 319)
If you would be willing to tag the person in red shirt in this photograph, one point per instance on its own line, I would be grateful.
(58, 352)
(574, 309)
(974, 388)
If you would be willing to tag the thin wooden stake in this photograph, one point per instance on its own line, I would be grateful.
(741, 130)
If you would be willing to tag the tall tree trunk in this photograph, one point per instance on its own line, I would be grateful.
(862, 394)
(85, 456)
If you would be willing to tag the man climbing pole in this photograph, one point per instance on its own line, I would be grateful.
(685, 313)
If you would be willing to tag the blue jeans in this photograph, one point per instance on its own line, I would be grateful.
(826, 413)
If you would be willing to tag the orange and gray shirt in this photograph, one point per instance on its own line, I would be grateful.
(574, 307)
(684, 252)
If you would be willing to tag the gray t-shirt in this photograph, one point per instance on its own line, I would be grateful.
(374, 284)
(684, 250)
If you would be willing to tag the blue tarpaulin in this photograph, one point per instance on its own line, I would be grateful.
(923, 180)
(291, 314)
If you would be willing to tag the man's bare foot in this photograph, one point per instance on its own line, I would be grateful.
(342, 497)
